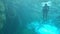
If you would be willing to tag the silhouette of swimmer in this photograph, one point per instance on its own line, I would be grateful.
(45, 12)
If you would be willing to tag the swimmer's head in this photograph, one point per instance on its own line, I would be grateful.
(46, 5)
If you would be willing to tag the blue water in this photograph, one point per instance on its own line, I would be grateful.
(26, 17)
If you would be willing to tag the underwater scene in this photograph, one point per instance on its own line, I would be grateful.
(29, 16)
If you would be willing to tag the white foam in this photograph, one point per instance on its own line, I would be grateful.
(48, 3)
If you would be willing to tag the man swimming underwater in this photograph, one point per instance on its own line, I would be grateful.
(45, 12)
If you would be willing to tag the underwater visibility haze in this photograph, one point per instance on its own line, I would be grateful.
(29, 16)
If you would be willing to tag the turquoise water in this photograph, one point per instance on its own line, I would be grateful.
(26, 17)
